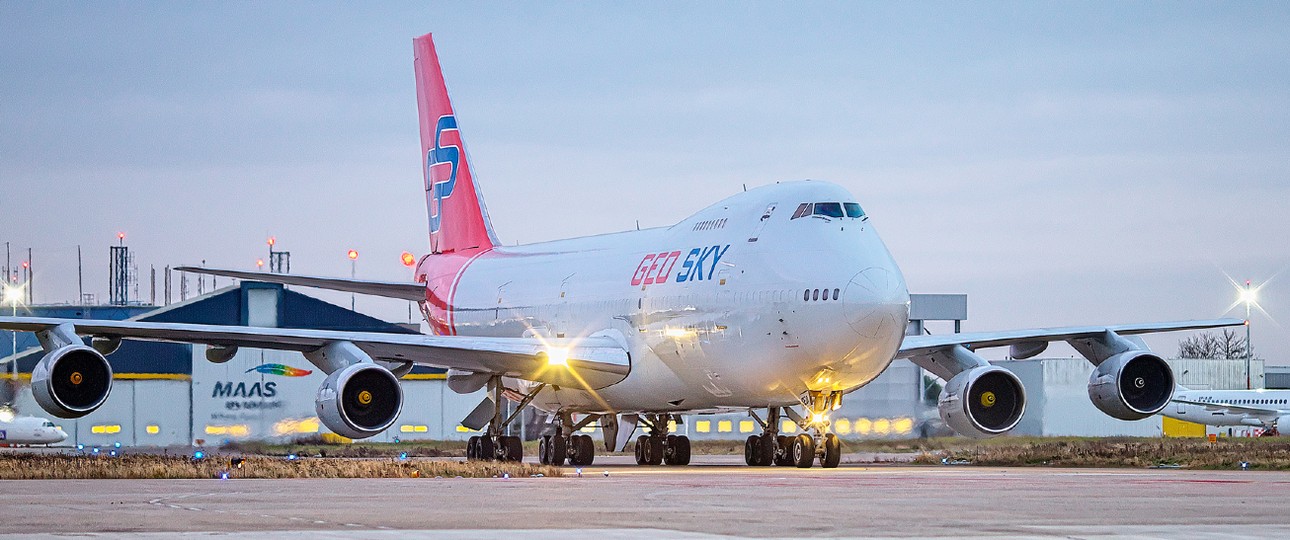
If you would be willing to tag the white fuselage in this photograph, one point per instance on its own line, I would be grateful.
(1275, 402)
(748, 307)
(30, 430)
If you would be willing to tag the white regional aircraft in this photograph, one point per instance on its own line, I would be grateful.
(28, 429)
(1257, 408)
(779, 299)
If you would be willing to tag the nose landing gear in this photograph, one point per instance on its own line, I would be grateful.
(804, 449)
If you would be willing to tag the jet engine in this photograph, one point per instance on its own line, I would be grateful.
(359, 400)
(982, 402)
(71, 381)
(1131, 385)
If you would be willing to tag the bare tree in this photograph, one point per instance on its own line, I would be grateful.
(1228, 345)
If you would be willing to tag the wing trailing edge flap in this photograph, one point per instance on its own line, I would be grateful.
(590, 363)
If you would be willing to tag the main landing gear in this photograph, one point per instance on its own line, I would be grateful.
(659, 447)
(567, 444)
(494, 446)
(802, 450)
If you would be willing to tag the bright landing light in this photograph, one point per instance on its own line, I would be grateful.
(557, 357)
(12, 295)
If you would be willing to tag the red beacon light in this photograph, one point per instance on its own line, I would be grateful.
(352, 254)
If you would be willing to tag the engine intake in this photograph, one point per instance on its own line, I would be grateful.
(1131, 385)
(71, 381)
(360, 400)
(982, 402)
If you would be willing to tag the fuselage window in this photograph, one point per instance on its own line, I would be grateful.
(853, 209)
(829, 209)
(815, 295)
(806, 296)
(826, 295)
(835, 294)
(803, 210)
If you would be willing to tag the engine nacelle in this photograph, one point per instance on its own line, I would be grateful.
(1131, 385)
(982, 402)
(360, 400)
(71, 381)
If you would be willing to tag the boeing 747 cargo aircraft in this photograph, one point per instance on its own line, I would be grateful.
(779, 301)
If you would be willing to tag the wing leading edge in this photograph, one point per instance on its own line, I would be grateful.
(388, 289)
(593, 362)
(924, 345)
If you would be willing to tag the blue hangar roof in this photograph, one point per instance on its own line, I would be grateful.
(227, 306)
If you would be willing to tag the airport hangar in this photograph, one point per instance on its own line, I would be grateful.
(168, 394)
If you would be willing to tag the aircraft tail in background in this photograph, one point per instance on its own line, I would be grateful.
(458, 217)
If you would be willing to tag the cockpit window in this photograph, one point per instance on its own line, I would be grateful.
(828, 209)
(48, 424)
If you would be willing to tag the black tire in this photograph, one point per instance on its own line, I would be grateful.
(681, 451)
(803, 451)
(751, 453)
(653, 450)
(669, 449)
(586, 450)
(472, 448)
(544, 450)
(513, 449)
(641, 443)
(484, 449)
(832, 452)
(766, 450)
(559, 450)
(784, 457)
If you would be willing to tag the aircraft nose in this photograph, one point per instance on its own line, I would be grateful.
(877, 303)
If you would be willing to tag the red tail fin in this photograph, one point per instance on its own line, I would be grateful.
(458, 218)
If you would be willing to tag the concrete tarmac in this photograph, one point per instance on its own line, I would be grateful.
(714, 498)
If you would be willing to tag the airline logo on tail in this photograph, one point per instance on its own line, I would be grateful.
(442, 179)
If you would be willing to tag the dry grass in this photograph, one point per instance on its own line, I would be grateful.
(1261, 453)
(140, 466)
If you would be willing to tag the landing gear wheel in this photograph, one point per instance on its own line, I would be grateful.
(544, 454)
(472, 448)
(759, 450)
(832, 452)
(583, 450)
(676, 450)
(485, 450)
(784, 457)
(649, 450)
(640, 450)
(803, 451)
(751, 453)
(513, 449)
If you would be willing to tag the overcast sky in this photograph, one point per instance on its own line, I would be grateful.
(1061, 163)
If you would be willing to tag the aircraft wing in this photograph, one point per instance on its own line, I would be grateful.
(1261, 413)
(592, 362)
(947, 355)
(389, 289)
(924, 345)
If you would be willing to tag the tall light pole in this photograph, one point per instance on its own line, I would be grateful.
(13, 295)
(353, 271)
(1249, 296)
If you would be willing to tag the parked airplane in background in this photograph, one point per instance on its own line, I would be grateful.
(779, 299)
(28, 429)
(1258, 408)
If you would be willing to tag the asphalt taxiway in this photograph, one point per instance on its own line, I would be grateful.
(715, 497)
